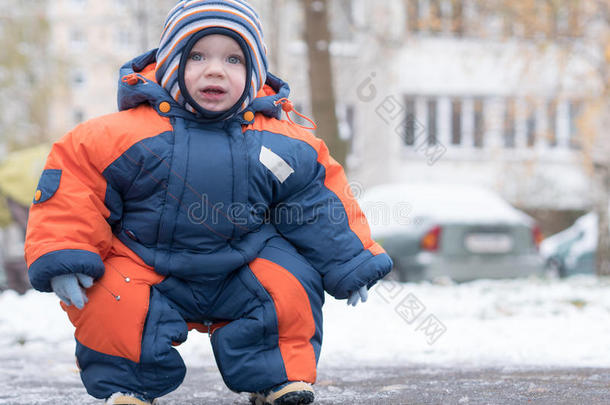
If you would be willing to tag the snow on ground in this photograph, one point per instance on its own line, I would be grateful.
(520, 323)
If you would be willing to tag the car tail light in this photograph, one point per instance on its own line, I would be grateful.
(431, 240)
(537, 235)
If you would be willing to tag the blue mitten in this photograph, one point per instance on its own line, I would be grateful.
(361, 294)
(70, 288)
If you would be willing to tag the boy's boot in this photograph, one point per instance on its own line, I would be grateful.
(288, 393)
(127, 399)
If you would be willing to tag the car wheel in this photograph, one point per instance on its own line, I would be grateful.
(398, 273)
(402, 276)
(554, 268)
(395, 275)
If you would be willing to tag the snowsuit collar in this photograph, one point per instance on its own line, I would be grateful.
(137, 85)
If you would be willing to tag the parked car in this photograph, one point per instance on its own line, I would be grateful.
(459, 232)
(573, 250)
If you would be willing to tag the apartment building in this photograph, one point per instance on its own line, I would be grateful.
(429, 90)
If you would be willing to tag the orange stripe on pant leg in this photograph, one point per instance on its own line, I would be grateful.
(295, 321)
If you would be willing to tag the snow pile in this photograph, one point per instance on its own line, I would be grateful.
(483, 323)
(530, 322)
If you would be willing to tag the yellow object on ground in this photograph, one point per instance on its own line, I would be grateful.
(19, 174)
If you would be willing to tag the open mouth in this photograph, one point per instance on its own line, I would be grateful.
(213, 91)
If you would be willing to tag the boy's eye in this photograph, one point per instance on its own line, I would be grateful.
(195, 57)
(234, 59)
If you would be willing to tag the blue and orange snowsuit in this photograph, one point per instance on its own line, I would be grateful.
(235, 227)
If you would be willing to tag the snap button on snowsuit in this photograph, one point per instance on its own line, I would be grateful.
(248, 115)
(38, 195)
(164, 107)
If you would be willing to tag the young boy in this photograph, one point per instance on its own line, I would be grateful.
(196, 207)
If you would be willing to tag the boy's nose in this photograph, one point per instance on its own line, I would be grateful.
(214, 68)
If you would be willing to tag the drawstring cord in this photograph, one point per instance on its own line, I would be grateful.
(133, 78)
(116, 297)
(287, 106)
(126, 278)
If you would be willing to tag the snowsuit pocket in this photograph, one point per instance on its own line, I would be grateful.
(47, 185)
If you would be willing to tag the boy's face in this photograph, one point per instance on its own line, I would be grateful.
(215, 72)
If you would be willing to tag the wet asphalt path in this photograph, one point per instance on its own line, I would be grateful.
(51, 383)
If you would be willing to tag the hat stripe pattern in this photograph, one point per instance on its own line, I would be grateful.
(186, 9)
(173, 15)
(191, 16)
(174, 22)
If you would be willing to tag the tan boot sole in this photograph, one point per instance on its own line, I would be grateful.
(127, 400)
(292, 387)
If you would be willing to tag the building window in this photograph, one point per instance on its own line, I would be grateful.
(429, 15)
(78, 40)
(435, 16)
(479, 122)
(78, 78)
(413, 15)
(342, 13)
(350, 119)
(346, 7)
(550, 15)
(551, 134)
(79, 115)
(456, 121)
(574, 24)
(457, 17)
(410, 124)
(432, 117)
(345, 118)
(575, 110)
(509, 124)
(530, 124)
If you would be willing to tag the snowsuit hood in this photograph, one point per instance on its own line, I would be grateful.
(189, 21)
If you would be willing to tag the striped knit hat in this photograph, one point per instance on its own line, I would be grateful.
(190, 17)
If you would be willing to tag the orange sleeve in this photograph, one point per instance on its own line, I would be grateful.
(67, 228)
(68, 212)
(314, 208)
